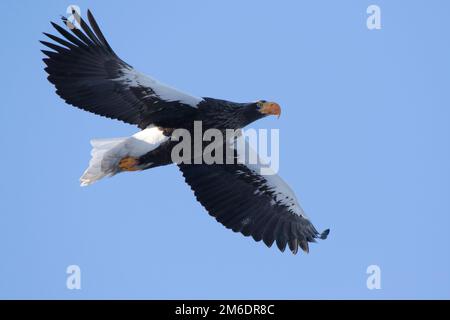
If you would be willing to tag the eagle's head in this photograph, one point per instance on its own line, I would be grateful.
(266, 108)
(232, 115)
(260, 109)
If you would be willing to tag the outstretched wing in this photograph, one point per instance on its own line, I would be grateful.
(243, 200)
(89, 75)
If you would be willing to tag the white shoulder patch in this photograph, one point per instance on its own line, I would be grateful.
(282, 193)
(162, 91)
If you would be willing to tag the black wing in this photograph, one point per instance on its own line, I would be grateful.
(243, 200)
(89, 75)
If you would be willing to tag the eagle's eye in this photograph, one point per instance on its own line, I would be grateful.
(260, 103)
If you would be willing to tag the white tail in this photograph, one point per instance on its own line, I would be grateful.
(107, 153)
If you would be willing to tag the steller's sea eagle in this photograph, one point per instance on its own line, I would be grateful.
(89, 75)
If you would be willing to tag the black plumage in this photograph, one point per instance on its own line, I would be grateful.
(228, 193)
(84, 75)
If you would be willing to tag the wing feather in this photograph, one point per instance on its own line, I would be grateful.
(244, 200)
(89, 75)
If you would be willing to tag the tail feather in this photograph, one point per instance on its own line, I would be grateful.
(106, 154)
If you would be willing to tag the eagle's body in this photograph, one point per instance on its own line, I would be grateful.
(89, 75)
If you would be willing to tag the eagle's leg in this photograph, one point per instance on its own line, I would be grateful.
(129, 164)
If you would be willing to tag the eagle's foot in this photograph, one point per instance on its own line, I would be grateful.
(129, 164)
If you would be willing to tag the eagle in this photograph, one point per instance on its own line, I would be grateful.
(89, 75)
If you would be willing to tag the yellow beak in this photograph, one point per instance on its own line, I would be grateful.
(271, 108)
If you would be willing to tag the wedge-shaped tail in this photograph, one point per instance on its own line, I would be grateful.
(107, 153)
(105, 159)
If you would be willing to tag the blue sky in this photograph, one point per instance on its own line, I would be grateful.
(364, 144)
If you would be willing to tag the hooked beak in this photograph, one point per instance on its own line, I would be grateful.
(269, 108)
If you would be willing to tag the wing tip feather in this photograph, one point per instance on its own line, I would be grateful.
(324, 234)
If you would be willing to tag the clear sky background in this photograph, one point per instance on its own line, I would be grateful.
(364, 143)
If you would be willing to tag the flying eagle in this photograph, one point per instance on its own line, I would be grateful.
(88, 74)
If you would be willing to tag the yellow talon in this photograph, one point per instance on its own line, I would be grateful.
(129, 164)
